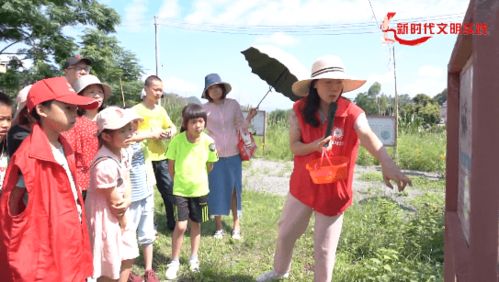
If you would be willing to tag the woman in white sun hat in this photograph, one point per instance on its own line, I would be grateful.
(83, 136)
(308, 122)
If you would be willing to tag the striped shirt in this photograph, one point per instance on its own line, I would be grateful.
(138, 172)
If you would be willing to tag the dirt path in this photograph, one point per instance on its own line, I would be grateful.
(273, 177)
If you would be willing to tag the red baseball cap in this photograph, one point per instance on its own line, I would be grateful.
(57, 88)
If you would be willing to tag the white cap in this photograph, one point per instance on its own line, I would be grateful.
(115, 118)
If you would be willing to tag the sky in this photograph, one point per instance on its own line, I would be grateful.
(199, 37)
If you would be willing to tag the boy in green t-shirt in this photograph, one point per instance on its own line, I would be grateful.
(191, 155)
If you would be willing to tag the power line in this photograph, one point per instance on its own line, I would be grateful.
(317, 29)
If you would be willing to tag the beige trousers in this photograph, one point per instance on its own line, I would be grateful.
(293, 223)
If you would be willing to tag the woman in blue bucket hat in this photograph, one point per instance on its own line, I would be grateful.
(225, 119)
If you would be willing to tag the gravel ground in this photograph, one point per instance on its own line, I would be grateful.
(273, 177)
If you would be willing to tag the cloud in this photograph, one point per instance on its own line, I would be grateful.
(181, 87)
(428, 79)
(135, 15)
(169, 9)
(385, 79)
(314, 12)
(431, 71)
(277, 38)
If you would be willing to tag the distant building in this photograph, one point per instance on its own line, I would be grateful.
(3, 66)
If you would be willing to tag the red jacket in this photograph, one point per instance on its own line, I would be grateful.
(328, 199)
(47, 241)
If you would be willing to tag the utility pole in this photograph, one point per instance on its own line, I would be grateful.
(395, 154)
(156, 43)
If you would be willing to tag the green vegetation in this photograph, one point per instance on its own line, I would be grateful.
(421, 182)
(423, 151)
(380, 241)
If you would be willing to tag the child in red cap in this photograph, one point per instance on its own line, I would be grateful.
(43, 231)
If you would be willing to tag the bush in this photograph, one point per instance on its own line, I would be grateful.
(403, 246)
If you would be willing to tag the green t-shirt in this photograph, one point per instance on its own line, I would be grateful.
(191, 175)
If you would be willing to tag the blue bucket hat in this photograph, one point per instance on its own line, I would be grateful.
(214, 79)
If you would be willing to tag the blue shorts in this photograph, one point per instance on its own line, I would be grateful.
(141, 214)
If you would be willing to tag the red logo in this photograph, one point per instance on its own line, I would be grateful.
(427, 29)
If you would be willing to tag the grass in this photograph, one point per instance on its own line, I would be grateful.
(380, 242)
(416, 151)
(418, 182)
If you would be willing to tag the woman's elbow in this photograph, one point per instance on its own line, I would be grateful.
(293, 148)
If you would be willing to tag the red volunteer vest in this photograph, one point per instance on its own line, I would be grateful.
(46, 242)
(328, 199)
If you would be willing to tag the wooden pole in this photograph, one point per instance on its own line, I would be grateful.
(156, 55)
(122, 93)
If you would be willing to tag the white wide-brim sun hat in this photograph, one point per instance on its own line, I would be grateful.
(327, 67)
(86, 80)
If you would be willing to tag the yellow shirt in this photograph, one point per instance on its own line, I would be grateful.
(156, 118)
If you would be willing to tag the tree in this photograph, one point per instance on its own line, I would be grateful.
(430, 113)
(421, 111)
(374, 90)
(34, 30)
(114, 65)
(404, 99)
(39, 25)
(17, 76)
(441, 97)
(422, 99)
(374, 102)
(367, 103)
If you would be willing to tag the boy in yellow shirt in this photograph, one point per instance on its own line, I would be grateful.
(156, 128)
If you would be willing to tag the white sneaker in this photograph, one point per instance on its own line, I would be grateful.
(172, 270)
(219, 234)
(236, 234)
(194, 265)
(271, 275)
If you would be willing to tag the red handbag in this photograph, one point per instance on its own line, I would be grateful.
(246, 145)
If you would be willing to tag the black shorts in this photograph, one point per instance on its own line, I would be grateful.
(195, 209)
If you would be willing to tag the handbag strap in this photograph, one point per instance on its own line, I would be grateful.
(324, 155)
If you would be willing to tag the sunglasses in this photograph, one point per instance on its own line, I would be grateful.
(80, 68)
